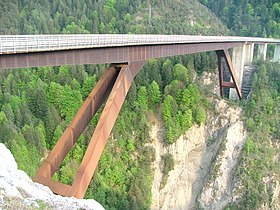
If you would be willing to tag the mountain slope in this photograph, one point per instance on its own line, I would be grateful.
(108, 16)
(250, 17)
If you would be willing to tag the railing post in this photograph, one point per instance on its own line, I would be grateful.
(14, 44)
(58, 42)
(38, 43)
(27, 41)
(1, 45)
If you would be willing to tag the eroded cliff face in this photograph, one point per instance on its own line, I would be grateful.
(217, 193)
(204, 159)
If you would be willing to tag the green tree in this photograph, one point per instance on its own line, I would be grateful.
(57, 134)
(181, 73)
(190, 97)
(3, 117)
(68, 171)
(167, 106)
(63, 76)
(200, 115)
(88, 85)
(167, 67)
(39, 103)
(142, 98)
(8, 111)
(52, 120)
(155, 94)
(187, 120)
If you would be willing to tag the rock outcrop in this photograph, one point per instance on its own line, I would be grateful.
(204, 159)
(18, 191)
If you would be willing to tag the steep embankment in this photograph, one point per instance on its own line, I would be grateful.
(220, 164)
(212, 148)
(17, 191)
(177, 17)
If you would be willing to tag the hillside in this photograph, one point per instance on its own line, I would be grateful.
(37, 104)
(108, 16)
(248, 18)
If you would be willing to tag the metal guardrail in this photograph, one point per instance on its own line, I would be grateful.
(10, 44)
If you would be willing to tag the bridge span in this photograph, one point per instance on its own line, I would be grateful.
(127, 54)
(37, 43)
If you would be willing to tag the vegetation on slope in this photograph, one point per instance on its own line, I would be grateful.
(259, 159)
(259, 165)
(107, 16)
(248, 17)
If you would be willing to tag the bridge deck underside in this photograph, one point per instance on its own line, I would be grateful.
(107, 55)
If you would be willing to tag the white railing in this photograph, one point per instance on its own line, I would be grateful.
(10, 44)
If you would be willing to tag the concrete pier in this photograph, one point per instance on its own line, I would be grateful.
(242, 56)
(238, 59)
(276, 57)
(248, 54)
(262, 51)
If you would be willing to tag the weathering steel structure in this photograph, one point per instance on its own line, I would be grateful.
(126, 55)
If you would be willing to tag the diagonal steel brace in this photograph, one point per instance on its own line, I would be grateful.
(116, 81)
(224, 54)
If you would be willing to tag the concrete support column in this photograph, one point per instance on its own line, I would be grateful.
(238, 61)
(276, 57)
(242, 56)
(262, 51)
(249, 54)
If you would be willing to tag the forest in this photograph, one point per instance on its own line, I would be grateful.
(248, 17)
(262, 120)
(37, 104)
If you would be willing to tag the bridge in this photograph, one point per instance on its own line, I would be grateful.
(127, 54)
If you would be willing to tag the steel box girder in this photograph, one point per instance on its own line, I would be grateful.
(107, 55)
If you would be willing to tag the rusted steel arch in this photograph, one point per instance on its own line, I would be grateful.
(116, 81)
(224, 54)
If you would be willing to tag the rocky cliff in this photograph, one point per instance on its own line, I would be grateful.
(18, 191)
(204, 158)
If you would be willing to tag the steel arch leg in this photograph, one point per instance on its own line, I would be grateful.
(224, 54)
(117, 80)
